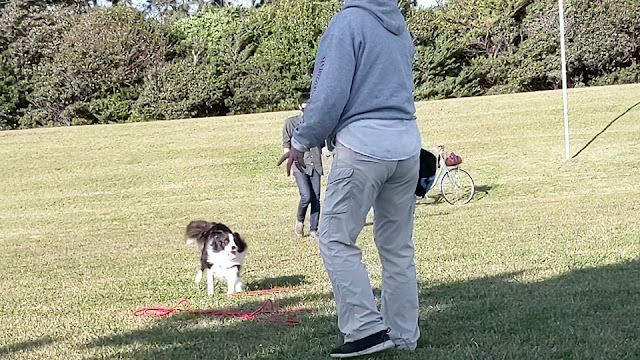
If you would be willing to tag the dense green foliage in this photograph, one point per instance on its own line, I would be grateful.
(62, 65)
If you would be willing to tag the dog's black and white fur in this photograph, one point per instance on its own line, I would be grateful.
(222, 253)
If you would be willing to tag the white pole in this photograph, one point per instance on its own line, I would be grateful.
(565, 102)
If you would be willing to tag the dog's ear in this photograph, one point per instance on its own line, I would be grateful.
(242, 246)
(220, 227)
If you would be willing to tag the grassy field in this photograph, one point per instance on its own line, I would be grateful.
(544, 263)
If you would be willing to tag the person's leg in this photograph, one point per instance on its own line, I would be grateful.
(352, 186)
(314, 216)
(393, 232)
(306, 193)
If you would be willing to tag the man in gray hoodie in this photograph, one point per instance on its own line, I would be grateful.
(362, 103)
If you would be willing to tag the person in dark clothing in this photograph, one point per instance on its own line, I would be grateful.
(308, 180)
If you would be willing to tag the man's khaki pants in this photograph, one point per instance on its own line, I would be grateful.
(355, 184)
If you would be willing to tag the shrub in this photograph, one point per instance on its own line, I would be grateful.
(273, 52)
(441, 62)
(103, 51)
(182, 90)
(11, 97)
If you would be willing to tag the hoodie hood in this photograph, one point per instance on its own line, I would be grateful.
(386, 11)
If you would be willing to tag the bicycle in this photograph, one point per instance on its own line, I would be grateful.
(456, 185)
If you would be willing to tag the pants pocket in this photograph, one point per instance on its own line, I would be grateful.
(338, 192)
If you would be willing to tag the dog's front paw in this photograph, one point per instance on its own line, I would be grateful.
(198, 277)
(232, 289)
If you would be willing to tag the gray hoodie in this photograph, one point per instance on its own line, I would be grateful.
(363, 71)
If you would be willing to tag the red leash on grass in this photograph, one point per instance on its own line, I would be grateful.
(266, 308)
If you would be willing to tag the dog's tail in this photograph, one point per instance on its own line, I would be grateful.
(195, 229)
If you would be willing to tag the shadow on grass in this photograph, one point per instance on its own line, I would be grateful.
(481, 192)
(431, 199)
(605, 129)
(281, 281)
(590, 313)
(25, 345)
(436, 198)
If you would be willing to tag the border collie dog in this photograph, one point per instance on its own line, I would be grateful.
(222, 253)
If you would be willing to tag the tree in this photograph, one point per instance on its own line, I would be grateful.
(12, 97)
(105, 54)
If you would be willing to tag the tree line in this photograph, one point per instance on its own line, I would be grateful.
(72, 62)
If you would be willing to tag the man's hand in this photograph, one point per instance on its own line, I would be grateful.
(286, 150)
(293, 156)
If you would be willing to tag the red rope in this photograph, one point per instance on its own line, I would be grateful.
(265, 309)
(160, 312)
(279, 316)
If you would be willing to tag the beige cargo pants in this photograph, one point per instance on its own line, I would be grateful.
(355, 184)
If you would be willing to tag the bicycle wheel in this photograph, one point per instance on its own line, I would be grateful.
(457, 186)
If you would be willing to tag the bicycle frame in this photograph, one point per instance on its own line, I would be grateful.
(442, 167)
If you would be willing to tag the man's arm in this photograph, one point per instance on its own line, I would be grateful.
(287, 133)
(330, 89)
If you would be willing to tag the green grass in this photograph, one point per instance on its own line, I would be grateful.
(542, 264)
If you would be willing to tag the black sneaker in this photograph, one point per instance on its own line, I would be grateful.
(368, 345)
